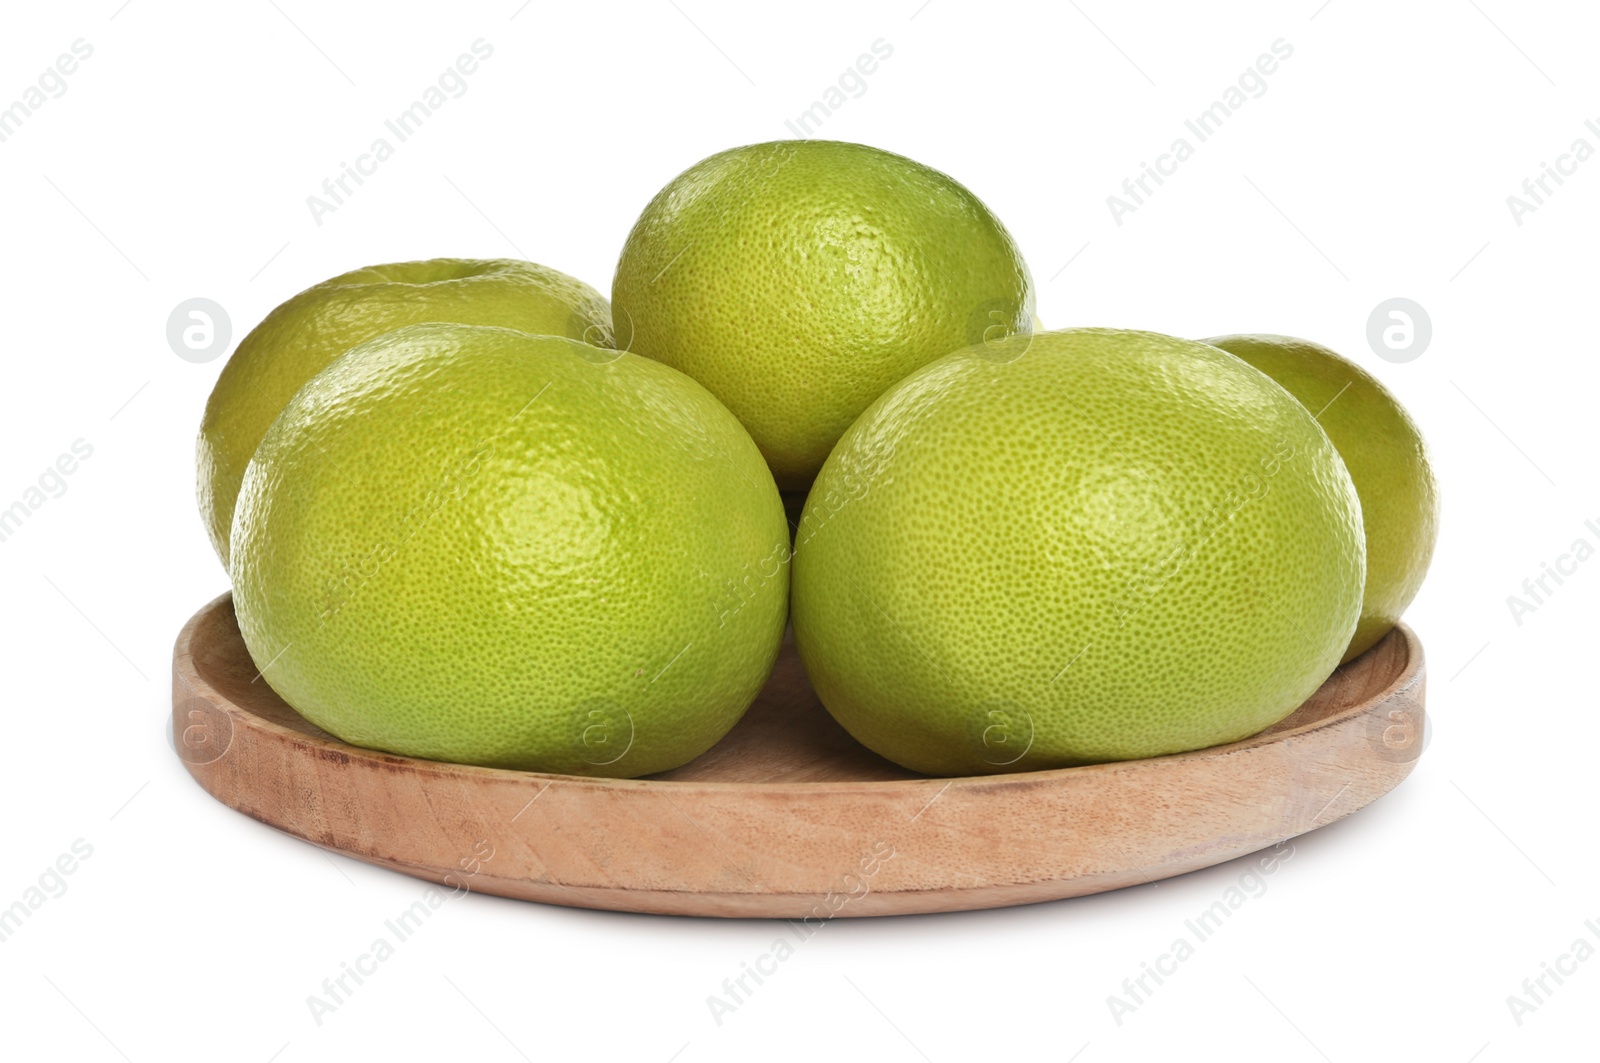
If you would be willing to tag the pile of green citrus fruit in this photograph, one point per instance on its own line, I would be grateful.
(474, 512)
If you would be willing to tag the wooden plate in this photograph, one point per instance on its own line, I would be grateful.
(789, 816)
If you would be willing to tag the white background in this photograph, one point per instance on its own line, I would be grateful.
(1377, 164)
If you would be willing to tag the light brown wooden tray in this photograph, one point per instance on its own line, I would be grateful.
(787, 815)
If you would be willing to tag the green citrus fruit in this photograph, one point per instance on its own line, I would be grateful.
(799, 279)
(1388, 462)
(476, 545)
(1083, 545)
(301, 336)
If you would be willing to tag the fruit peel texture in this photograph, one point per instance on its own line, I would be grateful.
(306, 333)
(1388, 461)
(470, 544)
(797, 280)
(1078, 546)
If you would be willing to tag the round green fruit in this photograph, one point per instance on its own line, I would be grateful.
(1388, 461)
(799, 279)
(471, 544)
(302, 336)
(1078, 546)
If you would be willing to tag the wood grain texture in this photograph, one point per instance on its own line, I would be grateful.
(788, 816)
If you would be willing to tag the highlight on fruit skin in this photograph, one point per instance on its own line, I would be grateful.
(1079, 546)
(302, 335)
(475, 545)
(798, 279)
(1387, 458)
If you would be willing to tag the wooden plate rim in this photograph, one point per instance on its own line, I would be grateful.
(184, 670)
